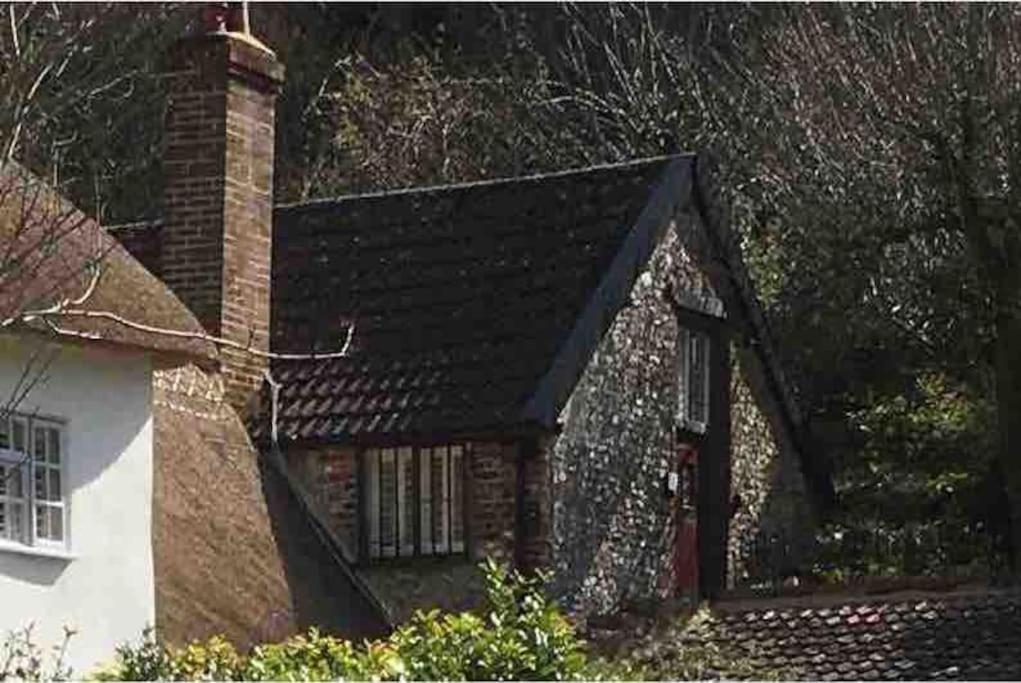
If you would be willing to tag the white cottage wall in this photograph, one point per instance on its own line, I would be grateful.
(103, 585)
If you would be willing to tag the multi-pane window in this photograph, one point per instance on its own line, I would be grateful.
(413, 500)
(33, 500)
(693, 380)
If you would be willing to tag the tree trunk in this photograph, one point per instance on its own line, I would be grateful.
(1008, 409)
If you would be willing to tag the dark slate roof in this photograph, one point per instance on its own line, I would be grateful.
(475, 306)
(966, 635)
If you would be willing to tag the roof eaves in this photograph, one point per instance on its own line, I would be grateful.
(612, 293)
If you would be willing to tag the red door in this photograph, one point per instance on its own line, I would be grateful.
(686, 526)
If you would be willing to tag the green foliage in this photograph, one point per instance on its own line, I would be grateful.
(311, 657)
(915, 493)
(21, 659)
(150, 660)
(520, 636)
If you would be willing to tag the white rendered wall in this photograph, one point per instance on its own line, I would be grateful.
(104, 589)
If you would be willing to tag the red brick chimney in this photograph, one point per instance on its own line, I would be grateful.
(218, 200)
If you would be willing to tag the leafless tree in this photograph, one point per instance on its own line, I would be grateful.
(868, 150)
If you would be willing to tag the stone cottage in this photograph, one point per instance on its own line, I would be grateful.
(568, 371)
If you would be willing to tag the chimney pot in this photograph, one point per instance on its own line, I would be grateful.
(225, 17)
(214, 17)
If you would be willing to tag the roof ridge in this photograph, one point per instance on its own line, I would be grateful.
(423, 189)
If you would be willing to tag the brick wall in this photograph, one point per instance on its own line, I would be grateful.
(404, 585)
(535, 537)
(491, 508)
(331, 475)
(218, 202)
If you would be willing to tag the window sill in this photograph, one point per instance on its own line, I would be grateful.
(411, 561)
(36, 551)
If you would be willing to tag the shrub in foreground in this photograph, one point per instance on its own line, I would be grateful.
(22, 660)
(520, 636)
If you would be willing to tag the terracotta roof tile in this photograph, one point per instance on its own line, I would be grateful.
(951, 636)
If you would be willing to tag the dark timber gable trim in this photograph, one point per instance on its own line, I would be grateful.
(733, 284)
(612, 293)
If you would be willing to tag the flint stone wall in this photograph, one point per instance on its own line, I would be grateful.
(772, 531)
(612, 522)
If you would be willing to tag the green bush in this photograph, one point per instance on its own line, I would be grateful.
(214, 660)
(520, 636)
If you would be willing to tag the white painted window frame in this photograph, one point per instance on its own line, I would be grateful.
(30, 501)
(441, 531)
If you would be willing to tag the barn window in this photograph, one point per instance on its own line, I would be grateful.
(33, 496)
(414, 500)
(693, 380)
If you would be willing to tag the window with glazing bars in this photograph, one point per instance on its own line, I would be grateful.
(413, 500)
(33, 501)
(693, 380)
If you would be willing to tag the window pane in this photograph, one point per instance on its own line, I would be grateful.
(42, 526)
(40, 483)
(18, 435)
(425, 501)
(440, 500)
(457, 506)
(12, 521)
(406, 507)
(18, 522)
(55, 483)
(56, 524)
(698, 399)
(5, 434)
(371, 464)
(54, 445)
(39, 444)
(388, 503)
(10, 481)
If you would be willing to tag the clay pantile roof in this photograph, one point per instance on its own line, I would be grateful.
(475, 306)
(958, 636)
(48, 252)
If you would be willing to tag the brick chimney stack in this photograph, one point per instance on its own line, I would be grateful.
(218, 198)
